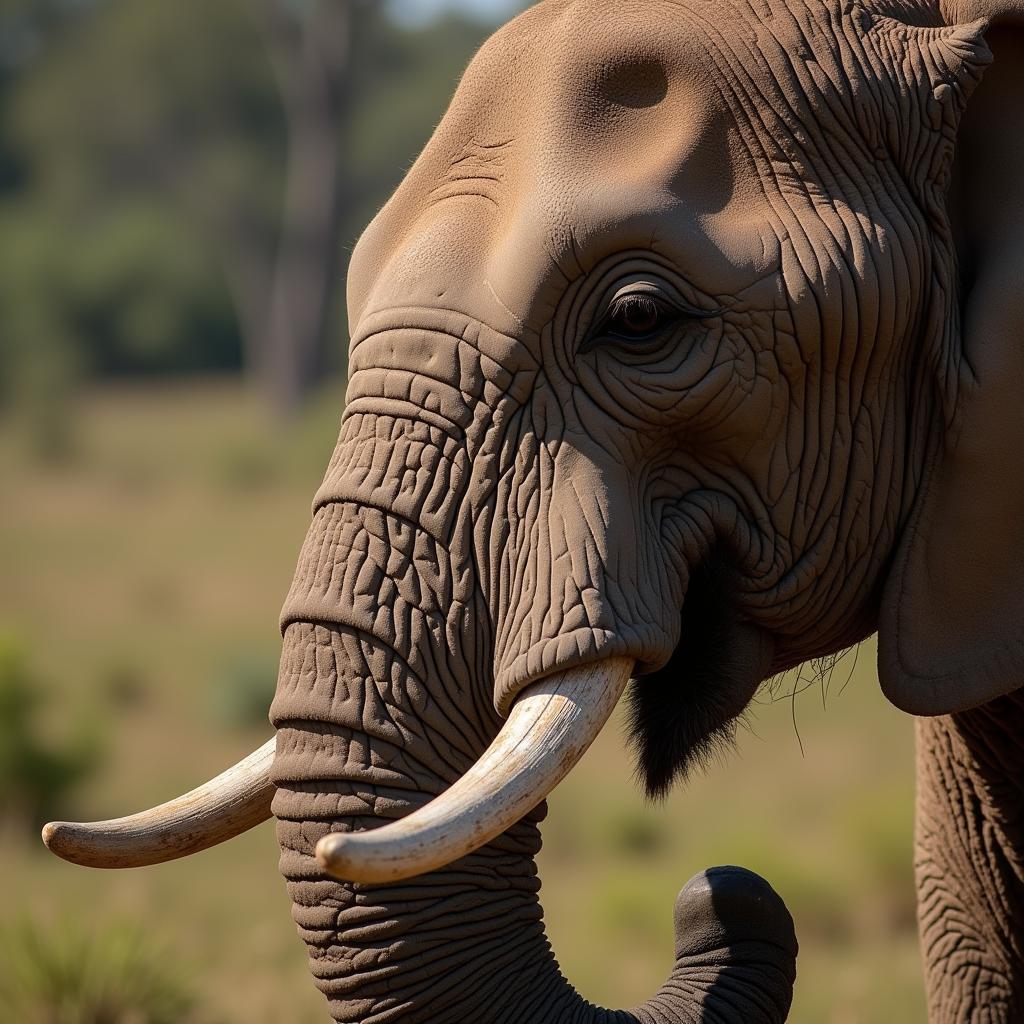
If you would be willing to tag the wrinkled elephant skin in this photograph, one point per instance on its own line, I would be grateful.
(687, 350)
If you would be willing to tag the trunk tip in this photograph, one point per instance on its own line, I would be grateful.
(732, 920)
(724, 906)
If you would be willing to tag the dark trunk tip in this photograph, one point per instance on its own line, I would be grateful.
(723, 906)
(733, 917)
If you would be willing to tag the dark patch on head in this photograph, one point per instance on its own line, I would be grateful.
(686, 712)
(635, 83)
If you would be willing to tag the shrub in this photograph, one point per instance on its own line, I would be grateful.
(241, 699)
(107, 976)
(35, 777)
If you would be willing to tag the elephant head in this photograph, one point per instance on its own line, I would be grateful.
(663, 366)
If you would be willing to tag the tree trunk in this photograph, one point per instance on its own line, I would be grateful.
(311, 55)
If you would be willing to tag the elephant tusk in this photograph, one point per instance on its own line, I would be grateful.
(551, 725)
(226, 806)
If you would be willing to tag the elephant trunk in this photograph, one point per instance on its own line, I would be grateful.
(465, 941)
(385, 714)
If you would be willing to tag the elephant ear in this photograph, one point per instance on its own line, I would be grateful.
(951, 623)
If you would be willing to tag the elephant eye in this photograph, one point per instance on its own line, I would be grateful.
(637, 318)
(641, 319)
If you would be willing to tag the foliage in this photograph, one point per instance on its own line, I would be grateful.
(36, 777)
(143, 150)
(98, 260)
(160, 92)
(241, 700)
(137, 299)
(65, 975)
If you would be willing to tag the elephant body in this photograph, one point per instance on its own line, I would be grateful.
(685, 351)
(515, 492)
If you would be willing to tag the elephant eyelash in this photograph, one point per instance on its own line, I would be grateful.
(646, 309)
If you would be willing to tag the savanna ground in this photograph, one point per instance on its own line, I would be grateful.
(143, 577)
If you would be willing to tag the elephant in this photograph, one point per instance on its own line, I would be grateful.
(686, 351)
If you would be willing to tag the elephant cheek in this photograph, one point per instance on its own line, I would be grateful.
(580, 574)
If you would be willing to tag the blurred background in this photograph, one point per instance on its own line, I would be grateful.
(180, 187)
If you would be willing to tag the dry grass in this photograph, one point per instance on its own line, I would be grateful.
(141, 573)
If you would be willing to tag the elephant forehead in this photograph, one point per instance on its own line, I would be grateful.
(579, 130)
(638, 148)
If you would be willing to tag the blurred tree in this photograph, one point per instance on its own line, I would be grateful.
(309, 42)
(35, 777)
(182, 179)
(150, 111)
(25, 28)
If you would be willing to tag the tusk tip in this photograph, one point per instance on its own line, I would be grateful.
(57, 838)
(331, 856)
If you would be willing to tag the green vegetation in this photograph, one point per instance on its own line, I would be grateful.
(65, 975)
(145, 567)
(145, 155)
(37, 777)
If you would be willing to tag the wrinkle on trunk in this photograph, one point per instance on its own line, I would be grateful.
(467, 942)
(362, 740)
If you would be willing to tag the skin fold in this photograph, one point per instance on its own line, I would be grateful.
(690, 339)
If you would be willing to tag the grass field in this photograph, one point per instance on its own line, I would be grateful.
(144, 577)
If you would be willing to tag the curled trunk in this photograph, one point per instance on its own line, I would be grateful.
(368, 735)
(467, 942)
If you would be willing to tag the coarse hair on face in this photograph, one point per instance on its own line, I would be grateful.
(684, 714)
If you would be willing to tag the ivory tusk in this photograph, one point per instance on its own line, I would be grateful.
(551, 725)
(225, 807)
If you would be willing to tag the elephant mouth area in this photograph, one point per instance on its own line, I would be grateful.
(685, 714)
